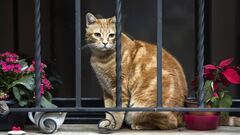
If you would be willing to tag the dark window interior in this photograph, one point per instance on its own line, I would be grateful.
(139, 21)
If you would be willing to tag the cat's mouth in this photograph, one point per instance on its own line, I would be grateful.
(102, 48)
(105, 47)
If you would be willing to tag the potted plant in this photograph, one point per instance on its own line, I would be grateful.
(217, 80)
(17, 87)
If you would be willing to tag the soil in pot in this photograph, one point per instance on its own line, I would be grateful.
(193, 103)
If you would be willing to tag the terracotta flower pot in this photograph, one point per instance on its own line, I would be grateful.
(200, 120)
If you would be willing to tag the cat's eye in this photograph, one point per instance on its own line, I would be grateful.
(111, 35)
(97, 34)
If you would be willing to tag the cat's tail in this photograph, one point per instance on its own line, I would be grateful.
(230, 121)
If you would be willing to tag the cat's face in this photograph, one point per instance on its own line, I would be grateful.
(100, 33)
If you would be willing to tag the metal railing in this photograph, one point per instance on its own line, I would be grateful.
(78, 107)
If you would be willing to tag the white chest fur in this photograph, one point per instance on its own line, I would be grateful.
(103, 76)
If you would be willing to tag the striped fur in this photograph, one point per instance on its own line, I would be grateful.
(139, 80)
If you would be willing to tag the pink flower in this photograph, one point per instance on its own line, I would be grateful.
(11, 60)
(17, 68)
(10, 67)
(47, 83)
(41, 64)
(32, 67)
(7, 68)
(4, 66)
(10, 63)
(9, 57)
(42, 91)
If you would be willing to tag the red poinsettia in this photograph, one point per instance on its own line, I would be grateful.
(222, 73)
(217, 79)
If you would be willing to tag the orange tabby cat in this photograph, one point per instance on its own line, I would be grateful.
(139, 78)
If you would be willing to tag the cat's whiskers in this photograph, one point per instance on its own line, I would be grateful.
(89, 46)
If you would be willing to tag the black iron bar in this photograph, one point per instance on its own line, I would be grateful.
(78, 52)
(78, 98)
(201, 27)
(118, 54)
(37, 52)
(96, 109)
(73, 99)
(159, 51)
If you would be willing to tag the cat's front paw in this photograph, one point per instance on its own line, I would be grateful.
(107, 124)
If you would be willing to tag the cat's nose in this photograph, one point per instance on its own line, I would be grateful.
(105, 44)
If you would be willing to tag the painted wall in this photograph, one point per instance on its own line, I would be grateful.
(139, 21)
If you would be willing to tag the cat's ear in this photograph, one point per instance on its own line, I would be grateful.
(90, 19)
(113, 19)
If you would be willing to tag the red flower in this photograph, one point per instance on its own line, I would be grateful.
(215, 86)
(16, 128)
(231, 75)
(222, 73)
(215, 94)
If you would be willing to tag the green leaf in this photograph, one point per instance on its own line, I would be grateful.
(26, 81)
(16, 93)
(23, 64)
(19, 95)
(215, 102)
(23, 102)
(22, 92)
(221, 94)
(226, 101)
(48, 95)
(208, 90)
(46, 104)
(213, 99)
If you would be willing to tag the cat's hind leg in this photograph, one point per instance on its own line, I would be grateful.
(152, 120)
(143, 126)
(138, 121)
(165, 120)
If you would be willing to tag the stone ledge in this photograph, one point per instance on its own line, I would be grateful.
(91, 129)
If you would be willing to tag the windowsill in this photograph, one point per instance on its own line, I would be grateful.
(87, 129)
